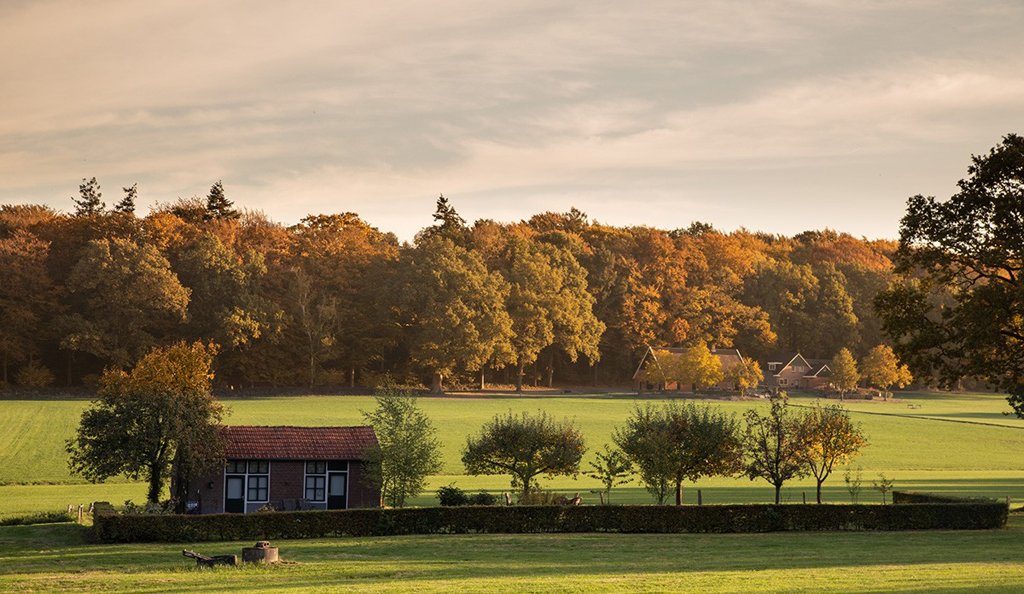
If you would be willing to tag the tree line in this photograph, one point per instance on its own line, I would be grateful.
(333, 300)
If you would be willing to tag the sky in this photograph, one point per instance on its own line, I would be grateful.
(776, 116)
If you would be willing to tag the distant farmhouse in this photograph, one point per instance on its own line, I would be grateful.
(795, 372)
(288, 468)
(729, 358)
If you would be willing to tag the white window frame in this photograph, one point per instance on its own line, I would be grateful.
(308, 475)
(248, 476)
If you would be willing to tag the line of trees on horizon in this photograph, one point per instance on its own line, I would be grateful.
(333, 300)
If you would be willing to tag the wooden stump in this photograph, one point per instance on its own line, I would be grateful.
(262, 552)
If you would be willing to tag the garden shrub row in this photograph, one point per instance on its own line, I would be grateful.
(535, 519)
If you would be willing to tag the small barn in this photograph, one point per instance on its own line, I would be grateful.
(288, 468)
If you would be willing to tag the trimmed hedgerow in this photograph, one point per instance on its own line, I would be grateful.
(526, 519)
(912, 497)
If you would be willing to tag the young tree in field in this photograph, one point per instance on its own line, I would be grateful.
(408, 448)
(881, 368)
(959, 309)
(142, 420)
(776, 446)
(844, 372)
(525, 446)
(612, 467)
(746, 375)
(677, 442)
(831, 438)
(88, 202)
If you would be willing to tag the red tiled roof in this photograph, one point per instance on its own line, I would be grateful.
(297, 443)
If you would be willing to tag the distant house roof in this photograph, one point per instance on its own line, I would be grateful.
(297, 443)
(816, 367)
(727, 357)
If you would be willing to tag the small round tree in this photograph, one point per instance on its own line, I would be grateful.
(525, 447)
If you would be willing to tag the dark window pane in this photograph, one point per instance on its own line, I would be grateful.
(337, 465)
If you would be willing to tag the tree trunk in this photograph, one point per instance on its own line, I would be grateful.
(819, 490)
(437, 384)
(483, 379)
(778, 493)
(352, 378)
(156, 480)
(679, 492)
(519, 377)
(551, 370)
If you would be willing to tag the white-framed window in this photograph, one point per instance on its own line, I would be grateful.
(772, 366)
(316, 481)
(256, 474)
(783, 381)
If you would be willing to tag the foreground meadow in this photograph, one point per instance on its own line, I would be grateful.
(951, 443)
(56, 558)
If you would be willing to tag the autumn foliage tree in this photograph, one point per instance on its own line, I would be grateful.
(452, 308)
(882, 368)
(125, 300)
(159, 412)
(844, 372)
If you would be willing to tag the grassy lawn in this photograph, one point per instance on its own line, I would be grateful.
(55, 558)
(921, 447)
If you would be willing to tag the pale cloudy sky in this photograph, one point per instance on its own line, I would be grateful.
(778, 116)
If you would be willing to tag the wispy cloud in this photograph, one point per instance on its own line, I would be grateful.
(695, 109)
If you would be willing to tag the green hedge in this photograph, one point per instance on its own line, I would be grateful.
(912, 497)
(526, 519)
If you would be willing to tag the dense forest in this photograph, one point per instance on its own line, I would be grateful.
(333, 301)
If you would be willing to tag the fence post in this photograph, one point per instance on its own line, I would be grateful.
(80, 509)
(700, 498)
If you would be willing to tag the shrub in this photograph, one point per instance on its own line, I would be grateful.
(540, 498)
(548, 519)
(483, 498)
(39, 518)
(34, 376)
(163, 508)
(451, 496)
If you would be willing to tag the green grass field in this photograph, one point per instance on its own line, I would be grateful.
(49, 558)
(953, 443)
